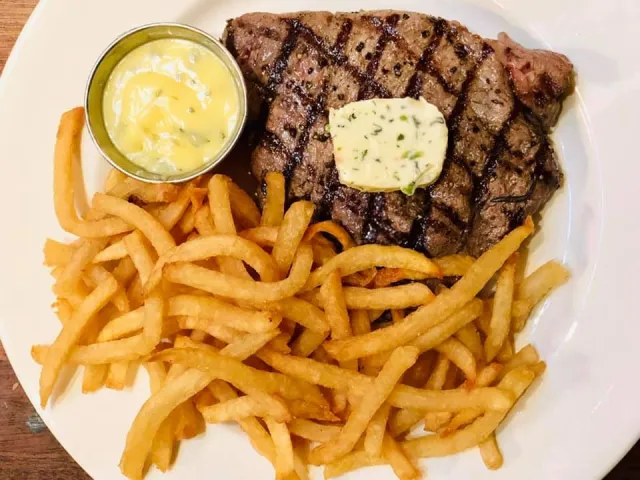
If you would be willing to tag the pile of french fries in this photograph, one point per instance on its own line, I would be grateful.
(273, 322)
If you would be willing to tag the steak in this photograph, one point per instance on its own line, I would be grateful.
(499, 99)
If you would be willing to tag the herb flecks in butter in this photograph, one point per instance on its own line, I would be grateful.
(385, 154)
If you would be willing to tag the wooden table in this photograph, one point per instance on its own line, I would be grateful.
(28, 451)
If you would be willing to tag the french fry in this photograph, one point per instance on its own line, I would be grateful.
(501, 313)
(239, 288)
(115, 251)
(486, 377)
(70, 334)
(401, 359)
(441, 371)
(367, 256)
(307, 342)
(152, 414)
(262, 236)
(470, 338)
(140, 255)
(403, 296)
(67, 282)
(516, 382)
(301, 312)
(290, 234)
(397, 458)
(534, 289)
(56, 253)
(241, 376)
(161, 240)
(313, 431)
(245, 407)
(353, 461)
(204, 221)
(460, 356)
(437, 311)
(284, 449)
(388, 276)
(273, 210)
(221, 245)
(374, 434)
(454, 265)
(67, 151)
(221, 312)
(117, 376)
(527, 356)
(243, 208)
(249, 345)
(403, 396)
(491, 455)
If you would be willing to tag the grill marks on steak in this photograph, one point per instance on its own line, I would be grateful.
(500, 166)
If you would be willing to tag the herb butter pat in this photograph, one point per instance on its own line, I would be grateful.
(383, 145)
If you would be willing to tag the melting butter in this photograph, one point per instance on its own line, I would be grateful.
(383, 145)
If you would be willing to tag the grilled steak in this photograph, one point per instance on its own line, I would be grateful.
(499, 100)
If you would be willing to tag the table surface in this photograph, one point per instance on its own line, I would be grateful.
(27, 449)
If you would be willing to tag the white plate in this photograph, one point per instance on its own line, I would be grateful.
(576, 424)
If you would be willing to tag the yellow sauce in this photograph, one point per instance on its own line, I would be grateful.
(170, 106)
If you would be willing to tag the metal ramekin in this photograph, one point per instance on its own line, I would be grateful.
(101, 72)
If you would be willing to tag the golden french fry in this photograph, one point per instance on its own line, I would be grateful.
(535, 288)
(154, 411)
(169, 215)
(224, 313)
(284, 449)
(140, 255)
(117, 376)
(403, 396)
(367, 256)
(204, 221)
(70, 334)
(437, 311)
(353, 461)
(337, 315)
(441, 371)
(501, 313)
(313, 431)
(249, 345)
(153, 230)
(460, 356)
(220, 245)
(516, 382)
(67, 151)
(527, 356)
(303, 409)
(273, 209)
(245, 407)
(397, 458)
(262, 236)
(491, 455)
(115, 251)
(67, 283)
(96, 274)
(374, 434)
(301, 312)
(259, 437)
(240, 375)
(307, 342)
(56, 253)
(470, 338)
(384, 384)
(239, 288)
(454, 265)
(243, 208)
(290, 234)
